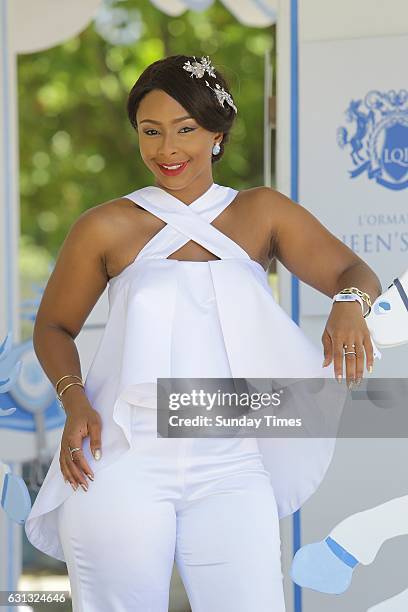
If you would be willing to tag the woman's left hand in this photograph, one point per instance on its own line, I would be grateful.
(346, 326)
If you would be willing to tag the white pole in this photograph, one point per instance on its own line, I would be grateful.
(9, 196)
(268, 79)
(10, 532)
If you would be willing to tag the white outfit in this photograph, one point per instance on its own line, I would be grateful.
(207, 504)
(170, 318)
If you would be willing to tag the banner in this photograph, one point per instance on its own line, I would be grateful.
(353, 150)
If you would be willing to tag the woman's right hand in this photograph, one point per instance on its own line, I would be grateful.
(82, 420)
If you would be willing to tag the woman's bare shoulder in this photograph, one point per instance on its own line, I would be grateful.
(95, 232)
(265, 203)
(109, 210)
(261, 193)
(260, 196)
(101, 219)
(271, 203)
(272, 198)
(80, 276)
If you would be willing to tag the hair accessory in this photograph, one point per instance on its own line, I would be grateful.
(198, 69)
(222, 95)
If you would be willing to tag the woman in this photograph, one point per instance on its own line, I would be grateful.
(186, 261)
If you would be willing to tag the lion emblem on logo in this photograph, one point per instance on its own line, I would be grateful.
(379, 143)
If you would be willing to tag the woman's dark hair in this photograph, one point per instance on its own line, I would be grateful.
(191, 92)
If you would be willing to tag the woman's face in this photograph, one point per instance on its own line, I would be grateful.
(167, 135)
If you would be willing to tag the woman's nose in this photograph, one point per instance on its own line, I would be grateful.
(167, 146)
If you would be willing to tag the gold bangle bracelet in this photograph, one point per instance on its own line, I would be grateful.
(69, 385)
(66, 376)
(364, 296)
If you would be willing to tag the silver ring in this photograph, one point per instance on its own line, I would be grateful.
(350, 353)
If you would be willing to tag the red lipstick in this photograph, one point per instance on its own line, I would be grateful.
(174, 172)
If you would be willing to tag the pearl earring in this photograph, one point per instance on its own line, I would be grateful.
(216, 149)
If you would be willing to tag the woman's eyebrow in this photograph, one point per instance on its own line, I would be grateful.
(174, 120)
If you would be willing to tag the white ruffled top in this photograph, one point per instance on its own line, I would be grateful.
(170, 318)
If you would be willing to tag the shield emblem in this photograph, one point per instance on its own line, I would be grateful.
(394, 154)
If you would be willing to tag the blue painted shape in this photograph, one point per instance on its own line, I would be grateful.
(341, 552)
(316, 566)
(21, 420)
(15, 498)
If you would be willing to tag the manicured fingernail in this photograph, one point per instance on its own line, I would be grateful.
(358, 381)
(339, 378)
(73, 486)
(350, 384)
(84, 487)
(97, 454)
(90, 476)
(370, 368)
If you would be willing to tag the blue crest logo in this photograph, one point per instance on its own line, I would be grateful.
(379, 142)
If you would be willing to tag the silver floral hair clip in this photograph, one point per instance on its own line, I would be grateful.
(198, 69)
(222, 95)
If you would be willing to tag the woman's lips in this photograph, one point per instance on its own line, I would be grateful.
(168, 172)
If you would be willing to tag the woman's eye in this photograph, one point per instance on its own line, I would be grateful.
(183, 128)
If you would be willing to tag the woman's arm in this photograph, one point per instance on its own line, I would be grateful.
(75, 285)
(308, 250)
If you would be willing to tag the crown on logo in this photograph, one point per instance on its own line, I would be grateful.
(198, 69)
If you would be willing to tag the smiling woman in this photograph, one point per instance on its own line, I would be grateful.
(168, 135)
(194, 303)
(175, 140)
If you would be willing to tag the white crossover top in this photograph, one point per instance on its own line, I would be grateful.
(170, 318)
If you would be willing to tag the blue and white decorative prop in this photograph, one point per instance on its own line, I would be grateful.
(326, 566)
(323, 566)
(388, 319)
(14, 496)
(31, 432)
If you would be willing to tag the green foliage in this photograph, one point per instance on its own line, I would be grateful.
(77, 147)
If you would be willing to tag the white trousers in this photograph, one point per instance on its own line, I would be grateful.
(206, 504)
